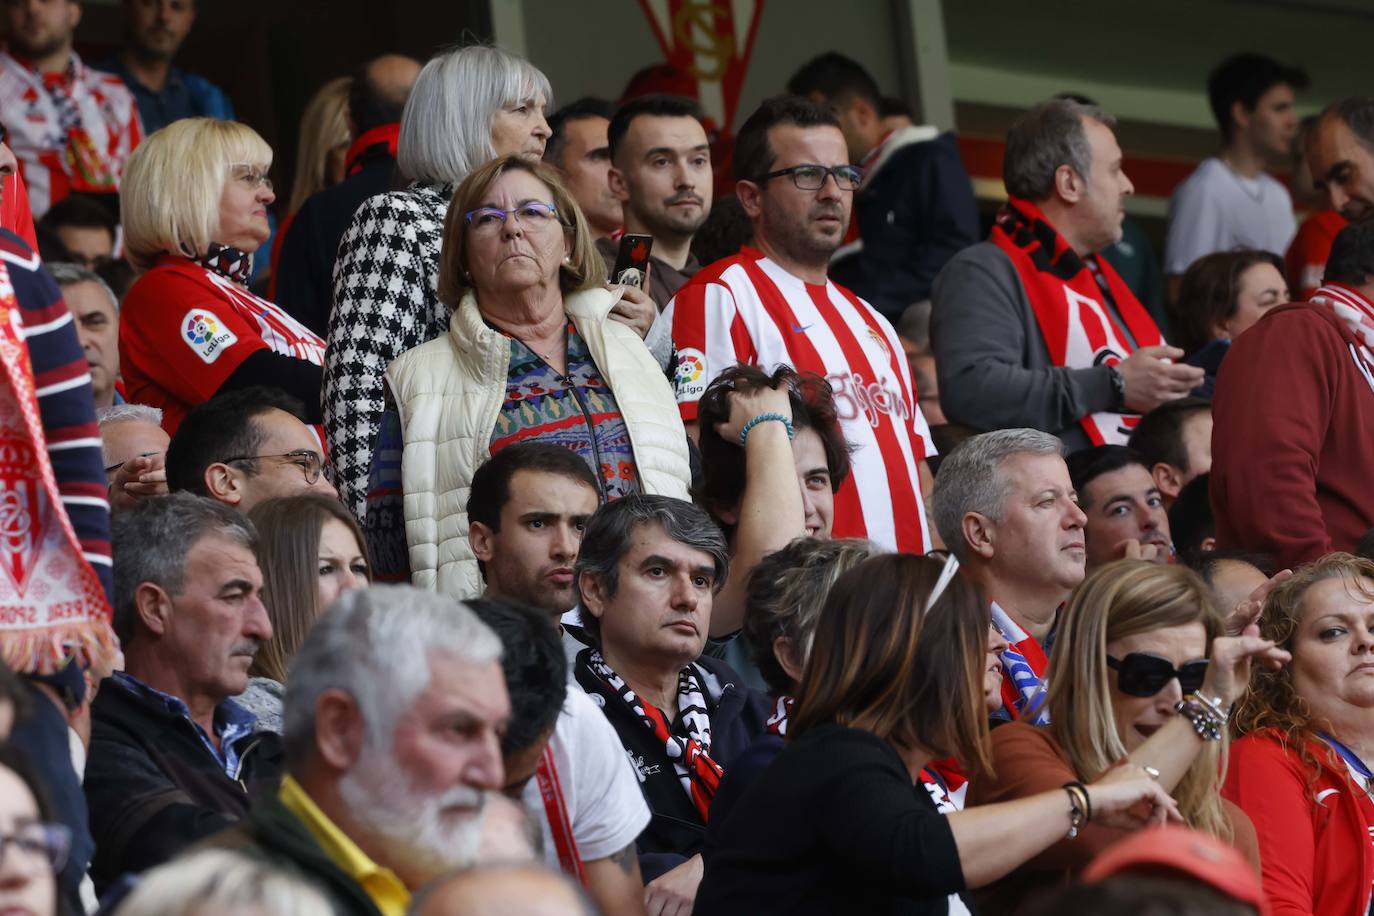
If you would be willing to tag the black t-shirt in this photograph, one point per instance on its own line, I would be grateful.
(834, 825)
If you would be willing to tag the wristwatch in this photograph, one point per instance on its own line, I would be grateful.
(1118, 386)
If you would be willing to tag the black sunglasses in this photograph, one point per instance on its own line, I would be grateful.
(1141, 674)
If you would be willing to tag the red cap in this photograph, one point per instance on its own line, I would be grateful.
(1187, 853)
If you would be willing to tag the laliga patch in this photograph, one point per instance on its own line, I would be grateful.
(690, 378)
(206, 335)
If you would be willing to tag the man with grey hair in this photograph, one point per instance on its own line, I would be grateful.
(172, 758)
(394, 713)
(1005, 506)
(1032, 327)
(95, 312)
(647, 572)
(134, 446)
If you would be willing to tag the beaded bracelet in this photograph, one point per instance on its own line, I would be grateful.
(763, 418)
(1202, 716)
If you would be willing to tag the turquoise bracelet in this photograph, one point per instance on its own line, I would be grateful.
(763, 418)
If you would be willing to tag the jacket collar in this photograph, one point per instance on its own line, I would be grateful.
(472, 336)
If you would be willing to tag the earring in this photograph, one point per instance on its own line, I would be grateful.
(567, 259)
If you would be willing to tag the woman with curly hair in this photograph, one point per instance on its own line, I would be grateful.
(1300, 771)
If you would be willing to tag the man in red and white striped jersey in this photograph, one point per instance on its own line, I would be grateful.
(772, 304)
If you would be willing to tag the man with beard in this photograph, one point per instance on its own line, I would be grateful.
(172, 758)
(71, 127)
(155, 32)
(772, 305)
(394, 713)
(1126, 518)
(661, 173)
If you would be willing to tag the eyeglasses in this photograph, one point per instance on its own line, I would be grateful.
(1141, 674)
(812, 177)
(251, 175)
(51, 841)
(530, 213)
(310, 463)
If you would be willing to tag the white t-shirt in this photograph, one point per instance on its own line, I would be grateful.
(599, 787)
(1217, 210)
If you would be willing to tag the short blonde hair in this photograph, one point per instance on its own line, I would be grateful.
(585, 268)
(222, 881)
(324, 128)
(169, 196)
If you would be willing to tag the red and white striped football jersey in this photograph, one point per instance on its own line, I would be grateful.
(748, 309)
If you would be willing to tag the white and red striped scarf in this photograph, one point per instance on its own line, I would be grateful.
(1079, 329)
(1357, 312)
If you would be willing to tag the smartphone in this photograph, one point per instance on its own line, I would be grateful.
(632, 261)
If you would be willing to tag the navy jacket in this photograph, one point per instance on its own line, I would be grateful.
(915, 210)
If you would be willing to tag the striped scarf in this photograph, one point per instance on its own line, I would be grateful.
(690, 747)
(1358, 314)
(1025, 664)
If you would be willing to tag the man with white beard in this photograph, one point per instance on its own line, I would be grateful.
(394, 710)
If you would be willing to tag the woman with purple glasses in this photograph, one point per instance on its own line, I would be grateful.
(1142, 673)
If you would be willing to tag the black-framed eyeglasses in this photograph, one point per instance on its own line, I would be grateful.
(1141, 674)
(812, 177)
(310, 463)
(50, 841)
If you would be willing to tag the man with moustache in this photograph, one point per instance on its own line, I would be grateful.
(172, 758)
(72, 127)
(661, 174)
(1032, 328)
(772, 304)
(1006, 508)
(394, 714)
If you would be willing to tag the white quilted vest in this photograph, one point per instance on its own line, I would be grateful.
(449, 392)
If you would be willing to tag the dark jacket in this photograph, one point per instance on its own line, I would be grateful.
(915, 210)
(676, 831)
(834, 825)
(272, 832)
(305, 268)
(154, 788)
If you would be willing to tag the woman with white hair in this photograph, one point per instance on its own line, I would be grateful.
(194, 203)
(468, 106)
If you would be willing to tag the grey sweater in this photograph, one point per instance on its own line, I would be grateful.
(993, 364)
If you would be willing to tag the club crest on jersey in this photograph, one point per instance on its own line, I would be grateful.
(690, 378)
(206, 335)
(880, 341)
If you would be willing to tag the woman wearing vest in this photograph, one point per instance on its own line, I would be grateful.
(839, 823)
(532, 353)
(194, 203)
(1131, 680)
(1302, 770)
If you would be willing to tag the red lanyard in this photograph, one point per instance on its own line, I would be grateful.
(551, 791)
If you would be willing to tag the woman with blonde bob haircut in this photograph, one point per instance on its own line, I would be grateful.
(532, 353)
(1301, 768)
(194, 200)
(216, 881)
(1131, 681)
(323, 142)
(896, 678)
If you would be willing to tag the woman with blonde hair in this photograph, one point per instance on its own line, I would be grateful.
(1301, 771)
(1141, 674)
(194, 201)
(531, 354)
(310, 551)
(897, 677)
(323, 143)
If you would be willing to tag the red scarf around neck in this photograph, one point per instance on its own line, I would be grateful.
(1079, 329)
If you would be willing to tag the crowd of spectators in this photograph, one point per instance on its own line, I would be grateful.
(849, 559)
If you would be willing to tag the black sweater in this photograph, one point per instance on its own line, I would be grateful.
(834, 825)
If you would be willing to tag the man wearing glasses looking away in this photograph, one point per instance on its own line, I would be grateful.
(772, 305)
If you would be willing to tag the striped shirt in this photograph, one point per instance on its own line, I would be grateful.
(62, 380)
(748, 309)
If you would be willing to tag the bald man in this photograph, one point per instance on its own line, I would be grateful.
(305, 268)
(512, 890)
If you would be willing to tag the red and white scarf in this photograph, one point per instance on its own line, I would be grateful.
(1358, 314)
(52, 606)
(1024, 666)
(1079, 329)
(690, 747)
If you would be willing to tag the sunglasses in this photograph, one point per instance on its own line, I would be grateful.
(1141, 674)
